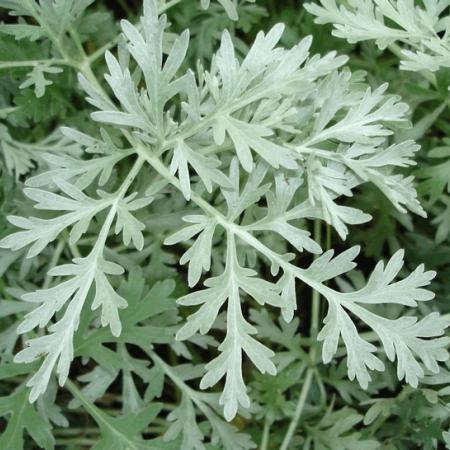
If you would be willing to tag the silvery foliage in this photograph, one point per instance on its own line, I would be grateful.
(419, 33)
(22, 157)
(259, 146)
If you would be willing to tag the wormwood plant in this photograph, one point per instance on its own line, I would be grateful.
(171, 221)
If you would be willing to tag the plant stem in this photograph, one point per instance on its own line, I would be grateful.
(298, 410)
(315, 294)
(88, 406)
(53, 262)
(168, 5)
(312, 354)
(75, 441)
(33, 63)
(75, 251)
(265, 436)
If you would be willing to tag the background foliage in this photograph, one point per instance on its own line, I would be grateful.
(212, 169)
